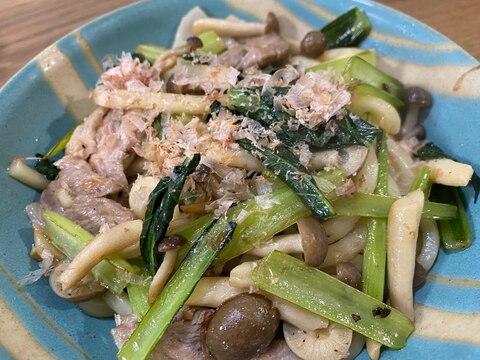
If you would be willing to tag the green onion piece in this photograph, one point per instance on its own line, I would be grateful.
(422, 180)
(369, 90)
(358, 70)
(150, 52)
(455, 234)
(338, 65)
(287, 167)
(71, 238)
(375, 253)
(349, 29)
(292, 280)
(138, 297)
(212, 43)
(176, 291)
(60, 145)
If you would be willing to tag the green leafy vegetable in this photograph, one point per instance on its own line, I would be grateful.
(46, 167)
(177, 290)
(375, 253)
(159, 212)
(455, 233)
(345, 131)
(349, 29)
(286, 277)
(358, 71)
(287, 167)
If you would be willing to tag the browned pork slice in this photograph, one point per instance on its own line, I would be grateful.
(82, 143)
(116, 139)
(79, 194)
(182, 339)
(260, 51)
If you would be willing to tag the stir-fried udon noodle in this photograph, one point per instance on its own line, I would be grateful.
(243, 195)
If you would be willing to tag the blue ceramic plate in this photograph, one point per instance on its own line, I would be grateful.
(43, 100)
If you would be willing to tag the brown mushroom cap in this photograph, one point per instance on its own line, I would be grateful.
(313, 44)
(349, 274)
(171, 242)
(242, 327)
(416, 95)
(194, 43)
(272, 24)
(314, 240)
(84, 290)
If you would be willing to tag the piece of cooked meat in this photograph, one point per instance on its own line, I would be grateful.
(182, 339)
(259, 50)
(79, 194)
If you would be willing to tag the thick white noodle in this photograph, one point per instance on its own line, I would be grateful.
(402, 232)
(376, 111)
(431, 243)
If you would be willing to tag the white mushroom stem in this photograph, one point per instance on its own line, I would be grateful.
(347, 248)
(314, 240)
(349, 159)
(373, 349)
(163, 102)
(289, 244)
(100, 247)
(25, 174)
(431, 244)
(449, 172)
(228, 28)
(339, 226)
(162, 275)
(403, 223)
(331, 343)
(213, 291)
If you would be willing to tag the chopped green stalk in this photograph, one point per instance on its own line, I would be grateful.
(60, 145)
(422, 180)
(266, 215)
(212, 43)
(176, 291)
(338, 65)
(375, 253)
(369, 90)
(370, 205)
(150, 52)
(71, 238)
(349, 29)
(358, 70)
(138, 297)
(292, 280)
(159, 212)
(455, 234)
(284, 164)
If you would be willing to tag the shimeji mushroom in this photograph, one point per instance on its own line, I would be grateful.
(84, 289)
(170, 246)
(349, 159)
(416, 98)
(331, 343)
(103, 245)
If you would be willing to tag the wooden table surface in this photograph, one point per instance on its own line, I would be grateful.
(28, 26)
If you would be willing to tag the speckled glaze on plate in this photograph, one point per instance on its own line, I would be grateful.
(46, 97)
